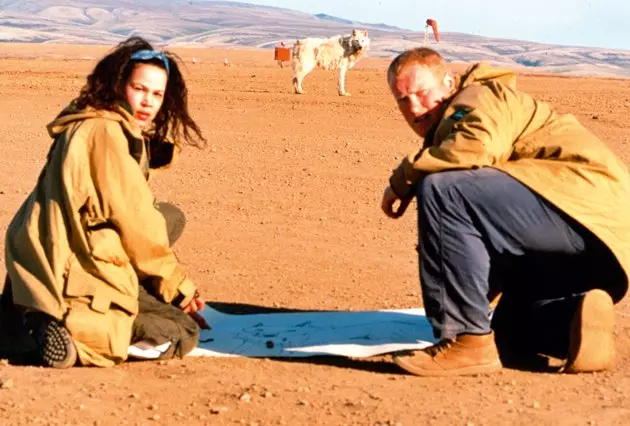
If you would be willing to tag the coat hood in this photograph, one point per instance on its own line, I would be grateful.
(161, 153)
(483, 72)
(72, 114)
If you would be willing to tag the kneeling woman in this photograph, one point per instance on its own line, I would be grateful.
(90, 268)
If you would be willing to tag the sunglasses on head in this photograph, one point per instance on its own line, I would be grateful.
(147, 55)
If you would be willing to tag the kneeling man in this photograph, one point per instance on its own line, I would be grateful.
(512, 198)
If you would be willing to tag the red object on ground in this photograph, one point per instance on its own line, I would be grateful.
(282, 54)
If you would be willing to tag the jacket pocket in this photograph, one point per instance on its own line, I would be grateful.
(99, 294)
(103, 238)
(99, 317)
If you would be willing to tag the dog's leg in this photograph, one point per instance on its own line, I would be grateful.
(297, 84)
(342, 80)
(299, 73)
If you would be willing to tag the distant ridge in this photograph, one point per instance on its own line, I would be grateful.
(231, 24)
(326, 17)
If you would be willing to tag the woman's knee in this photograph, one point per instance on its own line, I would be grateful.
(175, 220)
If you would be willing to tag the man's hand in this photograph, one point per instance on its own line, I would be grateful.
(389, 199)
(197, 304)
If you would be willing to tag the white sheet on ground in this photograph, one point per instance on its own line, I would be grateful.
(302, 334)
(147, 350)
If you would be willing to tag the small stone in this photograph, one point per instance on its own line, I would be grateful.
(155, 417)
(267, 394)
(134, 396)
(3, 361)
(152, 407)
(218, 410)
(302, 403)
(245, 397)
(6, 384)
(536, 404)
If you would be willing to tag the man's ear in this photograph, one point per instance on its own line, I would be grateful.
(390, 82)
(449, 80)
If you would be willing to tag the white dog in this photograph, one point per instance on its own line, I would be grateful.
(329, 54)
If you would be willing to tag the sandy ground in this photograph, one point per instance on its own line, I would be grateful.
(283, 212)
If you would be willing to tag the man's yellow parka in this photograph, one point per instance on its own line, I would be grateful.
(489, 123)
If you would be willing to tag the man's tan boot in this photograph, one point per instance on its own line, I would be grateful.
(591, 342)
(468, 354)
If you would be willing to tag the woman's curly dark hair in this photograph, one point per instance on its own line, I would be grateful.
(105, 88)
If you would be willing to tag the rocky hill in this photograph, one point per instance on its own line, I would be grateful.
(239, 25)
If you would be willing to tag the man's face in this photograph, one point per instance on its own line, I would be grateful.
(419, 95)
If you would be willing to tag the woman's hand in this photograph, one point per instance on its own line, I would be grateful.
(197, 304)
